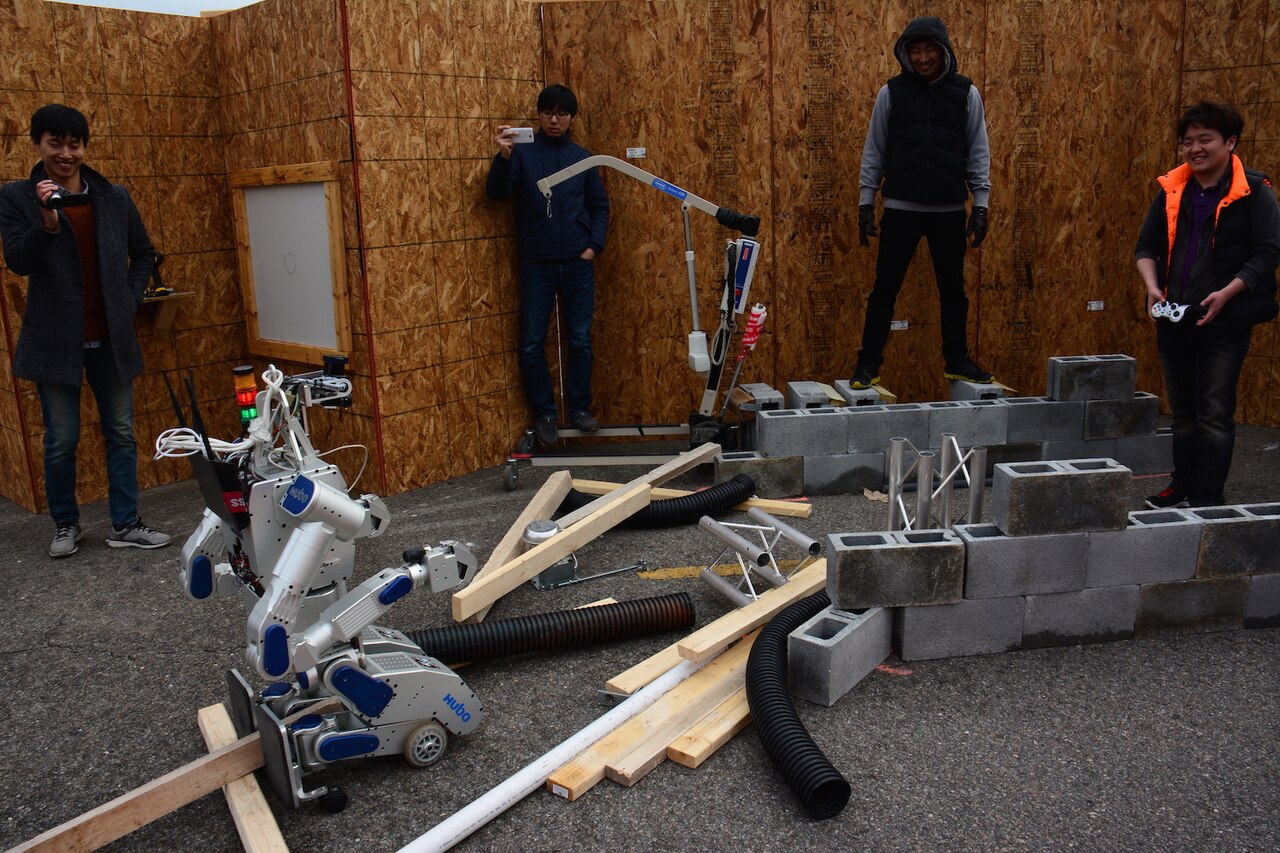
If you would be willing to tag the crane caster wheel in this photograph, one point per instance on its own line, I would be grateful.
(333, 800)
(525, 444)
(511, 475)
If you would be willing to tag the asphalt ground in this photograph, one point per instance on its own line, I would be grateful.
(1154, 744)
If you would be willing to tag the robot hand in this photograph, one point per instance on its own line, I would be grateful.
(202, 575)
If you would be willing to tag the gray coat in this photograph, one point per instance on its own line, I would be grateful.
(51, 343)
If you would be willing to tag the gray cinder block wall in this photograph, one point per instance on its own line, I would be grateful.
(1168, 571)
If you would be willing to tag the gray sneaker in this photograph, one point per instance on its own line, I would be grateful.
(64, 540)
(137, 535)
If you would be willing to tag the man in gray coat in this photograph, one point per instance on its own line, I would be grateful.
(81, 243)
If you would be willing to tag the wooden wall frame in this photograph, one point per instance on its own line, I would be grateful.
(286, 287)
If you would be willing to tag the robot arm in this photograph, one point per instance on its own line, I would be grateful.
(443, 567)
(325, 514)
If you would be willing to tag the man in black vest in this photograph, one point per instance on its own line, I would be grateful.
(926, 151)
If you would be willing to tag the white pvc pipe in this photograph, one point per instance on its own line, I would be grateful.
(476, 814)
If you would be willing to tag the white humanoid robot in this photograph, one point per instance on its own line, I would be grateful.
(280, 529)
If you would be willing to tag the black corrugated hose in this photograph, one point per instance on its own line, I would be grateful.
(822, 790)
(686, 509)
(562, 629)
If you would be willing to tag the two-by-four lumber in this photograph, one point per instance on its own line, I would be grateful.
(484, 591)
(116, 819)
(650, 750)
(712, 731)
(127, 812)
(259, 832)
(711, 638)
(542, 506)
(674, 468)
(794, 509)
(579, 775)
(647, 670)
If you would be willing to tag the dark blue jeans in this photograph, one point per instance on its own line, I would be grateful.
(574, 281)
(60, 405)
(1201, 368)
(900, 233)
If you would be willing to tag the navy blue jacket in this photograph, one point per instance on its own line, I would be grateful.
(51, 343)
(579, 207)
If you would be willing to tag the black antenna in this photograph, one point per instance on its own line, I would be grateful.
(173, 398)
(196, 421)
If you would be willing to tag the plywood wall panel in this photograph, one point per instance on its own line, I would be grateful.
(1228, 32)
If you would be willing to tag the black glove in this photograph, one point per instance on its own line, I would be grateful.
(867, 223)
(977, 226)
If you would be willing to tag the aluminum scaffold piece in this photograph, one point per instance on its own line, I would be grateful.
(933, 502)
(761, 558)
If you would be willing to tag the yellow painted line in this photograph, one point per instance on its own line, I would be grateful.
(723, 569)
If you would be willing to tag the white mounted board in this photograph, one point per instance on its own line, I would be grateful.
(289, 236)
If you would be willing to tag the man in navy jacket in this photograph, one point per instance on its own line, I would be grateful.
(87, 261)
(558, 242)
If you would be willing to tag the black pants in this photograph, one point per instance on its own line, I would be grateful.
(900, 233)
(1201, 367)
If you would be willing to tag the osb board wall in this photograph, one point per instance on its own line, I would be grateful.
(430, 82)
(282, 90)
(1079, 128)
(146, 83)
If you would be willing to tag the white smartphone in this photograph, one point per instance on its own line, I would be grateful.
(521, 135)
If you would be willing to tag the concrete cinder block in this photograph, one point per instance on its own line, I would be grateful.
(894, 568)
(1157, 546)
(1092, 377)
(802, 432)
(1238, 540)
(1191, 607)
(1070, 496)
(766, 397)
(1038, 419)
(1121, 418)
(962, 390)
(1097, 448)
(1084, 616)
(1146, 454)
(998, 566)
(858, 396)
(833, 651)
(871, 427)
(807, 395)
(978, 627)
(775, 477)
(1262, 605)
(973, 422)
(844, 473)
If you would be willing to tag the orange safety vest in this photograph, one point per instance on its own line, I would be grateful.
(1175, 181)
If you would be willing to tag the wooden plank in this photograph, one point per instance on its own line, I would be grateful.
(259, 832)
(575, 778)
(299, 173)
(541, 506)
(711, 732)
(792, 509)
(647, 670)
(485, 591)
(674, 468)
(651, 749)
(157, 798)
(712, 638)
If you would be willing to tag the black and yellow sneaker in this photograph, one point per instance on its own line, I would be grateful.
(967, 371)
(864, 376)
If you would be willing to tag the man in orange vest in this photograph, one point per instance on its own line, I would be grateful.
(1207, 254)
